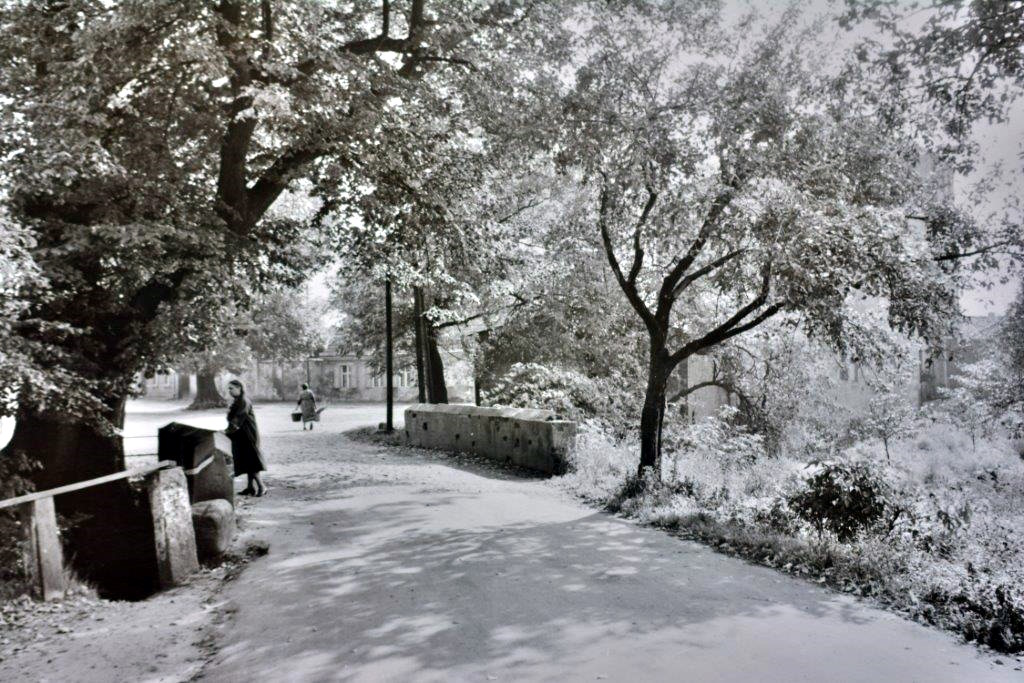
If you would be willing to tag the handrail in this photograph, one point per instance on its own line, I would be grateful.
(198, 468)
(49, 493)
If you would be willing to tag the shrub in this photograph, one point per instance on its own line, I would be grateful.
(599, 463)
(636, 489)
(568, 393)
(777, 518)
(13, 469)
(842, 498)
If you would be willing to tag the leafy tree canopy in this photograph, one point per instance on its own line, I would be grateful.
(148, 143)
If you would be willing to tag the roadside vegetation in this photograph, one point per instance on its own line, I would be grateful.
(927, 521)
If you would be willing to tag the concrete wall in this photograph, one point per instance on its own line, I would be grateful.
(529, 438)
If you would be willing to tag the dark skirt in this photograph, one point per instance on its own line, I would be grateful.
(245, 450)
(245, 438)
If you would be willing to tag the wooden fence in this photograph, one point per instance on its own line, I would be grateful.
(39, 519)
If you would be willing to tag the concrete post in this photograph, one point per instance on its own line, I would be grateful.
(172, 527)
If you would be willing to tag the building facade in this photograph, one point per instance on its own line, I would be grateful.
(851, 380)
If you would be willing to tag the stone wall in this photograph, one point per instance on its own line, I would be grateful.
(533, 439)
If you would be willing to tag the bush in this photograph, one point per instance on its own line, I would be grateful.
(13, 469)
(637, 490)
(599, 463)
(844, 499)
(568, 393)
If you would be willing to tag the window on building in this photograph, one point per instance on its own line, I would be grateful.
(344, 377)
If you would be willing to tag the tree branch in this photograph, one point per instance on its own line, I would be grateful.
(275, 179)
(455, 323)
(732, 326)
(707, 227)
(954, 255)
(268, 21)
(638, 252)
(721, 384)
(628, 287)
(701, 272)
(384, 42)
(518, 210)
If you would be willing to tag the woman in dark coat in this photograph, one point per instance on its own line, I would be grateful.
(307, 404)
(245, 440)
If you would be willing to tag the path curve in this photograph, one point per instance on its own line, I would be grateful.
(395, 564)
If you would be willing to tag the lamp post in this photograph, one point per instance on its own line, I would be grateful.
(388, 360)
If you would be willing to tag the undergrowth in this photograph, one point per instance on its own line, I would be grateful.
(936, 535)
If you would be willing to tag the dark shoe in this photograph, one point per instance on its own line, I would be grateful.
(247, 492)
(263, 492)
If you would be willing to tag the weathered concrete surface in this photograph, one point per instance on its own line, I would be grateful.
(190, 447)
(533, 439)
(394, 564)
(214, 524)
(174, 536)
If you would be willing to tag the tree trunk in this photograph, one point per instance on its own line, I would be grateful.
(108, 534)
(207, 395)
(437, 390)
(277, 379)
(433, 388)
(184, 385)
(70, 451)
(654, 411)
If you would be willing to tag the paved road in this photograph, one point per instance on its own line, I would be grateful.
(390, 564)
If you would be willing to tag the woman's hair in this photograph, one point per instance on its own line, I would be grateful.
(236, 383)
(305, 386)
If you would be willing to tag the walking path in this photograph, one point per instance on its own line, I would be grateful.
(395, 564)
(404, 565)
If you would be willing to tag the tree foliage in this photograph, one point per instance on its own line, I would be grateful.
(943, 67)
(731, 188)
(966, 56)
(146, 145)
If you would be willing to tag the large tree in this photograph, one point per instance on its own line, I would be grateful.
(735, 180)
(147, 142)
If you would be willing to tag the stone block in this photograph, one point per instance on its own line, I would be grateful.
(214, 524)
(205, 455)
(173, 534)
